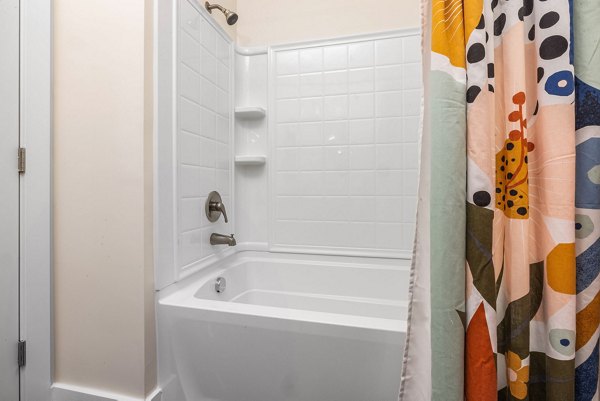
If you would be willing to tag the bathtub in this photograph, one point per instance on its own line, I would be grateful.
(286, 327)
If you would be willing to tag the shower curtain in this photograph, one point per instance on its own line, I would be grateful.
(505, 300)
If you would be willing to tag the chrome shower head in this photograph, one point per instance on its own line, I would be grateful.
(230, 16)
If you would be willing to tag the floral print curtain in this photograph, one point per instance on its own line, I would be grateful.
(508, 184)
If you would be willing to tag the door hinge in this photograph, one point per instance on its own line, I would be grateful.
(21, 353)
(22, 161)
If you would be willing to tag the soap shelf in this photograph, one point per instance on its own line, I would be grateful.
(250, 112)
(251, 160)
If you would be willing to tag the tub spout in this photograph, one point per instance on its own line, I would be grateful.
(221, 239)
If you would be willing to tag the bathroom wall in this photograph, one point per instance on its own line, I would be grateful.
(104, 336)
(344, 133)
(204, 144)
(268, 22)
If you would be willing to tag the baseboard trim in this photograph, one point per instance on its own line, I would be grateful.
(68, 392)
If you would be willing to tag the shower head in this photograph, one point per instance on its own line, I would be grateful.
(230, 16)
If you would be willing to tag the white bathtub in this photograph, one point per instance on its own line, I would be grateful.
(287, 328)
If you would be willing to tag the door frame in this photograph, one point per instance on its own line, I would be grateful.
(36, 198)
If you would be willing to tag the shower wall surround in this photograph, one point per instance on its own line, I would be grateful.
(344, 139)
(195, 142)
(340, 140)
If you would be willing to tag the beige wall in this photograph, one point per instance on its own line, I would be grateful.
(103, 315)
(268, 22)
(220, 18)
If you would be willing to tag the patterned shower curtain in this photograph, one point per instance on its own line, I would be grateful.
(518, 319)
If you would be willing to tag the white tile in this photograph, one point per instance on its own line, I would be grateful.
(190, 116)
(196, 181)
(336, 208)
(288, 110)
(311, 85)
(209, 124)
(208, 150)
(360, 54)
(189, 148)
(287, 159)
(189, 84)
(412, 48)
(310, 183)
(286, 134)
(223, 78)
(289, 208)
(361, 106)
(335, 132)
(190, 52)
(388, 51)
(222, 131)
(335, 158)
(309, 134)
(311, 109)
(334, 183)
(311, 59)
(208, 96)
(389, 130)
(362, 182)
(223, 49)
(360, 235)
(286, 183)
(287, 86)
(362, 157)
(389, 156)
(361, 80)
(389, 209)
(191, 213)
(410, 129)
(361, 208)
(287, 62)
(389, 78)
(412, 76)
(409, 209)
(191, 21)
(208, 66)
(310, 159)
(411, 102)
(390, 235)
(335, 57)
(335, 107)
(223, 156)
(222, 103)
(190, 247)
(389, 183)
(335, 83)
(388, 104)
(410, 156)
(361, 132)
(410, 182)
(209, 37)
(223, 185)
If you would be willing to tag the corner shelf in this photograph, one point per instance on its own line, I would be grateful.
(251, 160)
(250, 113)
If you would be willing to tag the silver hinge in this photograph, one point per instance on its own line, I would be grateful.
(22, 162)
(21, 353)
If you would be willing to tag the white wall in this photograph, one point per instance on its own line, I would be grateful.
(344, 130)
(204, 144)
(268, 22)
(103, 298)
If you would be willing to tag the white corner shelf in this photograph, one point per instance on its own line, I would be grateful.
(251, 160)
(250, 112)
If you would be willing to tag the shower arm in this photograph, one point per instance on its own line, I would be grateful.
(210, 7)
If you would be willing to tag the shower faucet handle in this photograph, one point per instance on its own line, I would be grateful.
(214, 207)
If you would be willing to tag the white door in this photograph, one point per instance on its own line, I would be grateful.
(9, 199)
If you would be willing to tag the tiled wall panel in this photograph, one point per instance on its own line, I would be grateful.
(344, 145)
(204, 102)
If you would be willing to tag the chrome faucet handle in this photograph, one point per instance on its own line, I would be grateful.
(214, 207)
